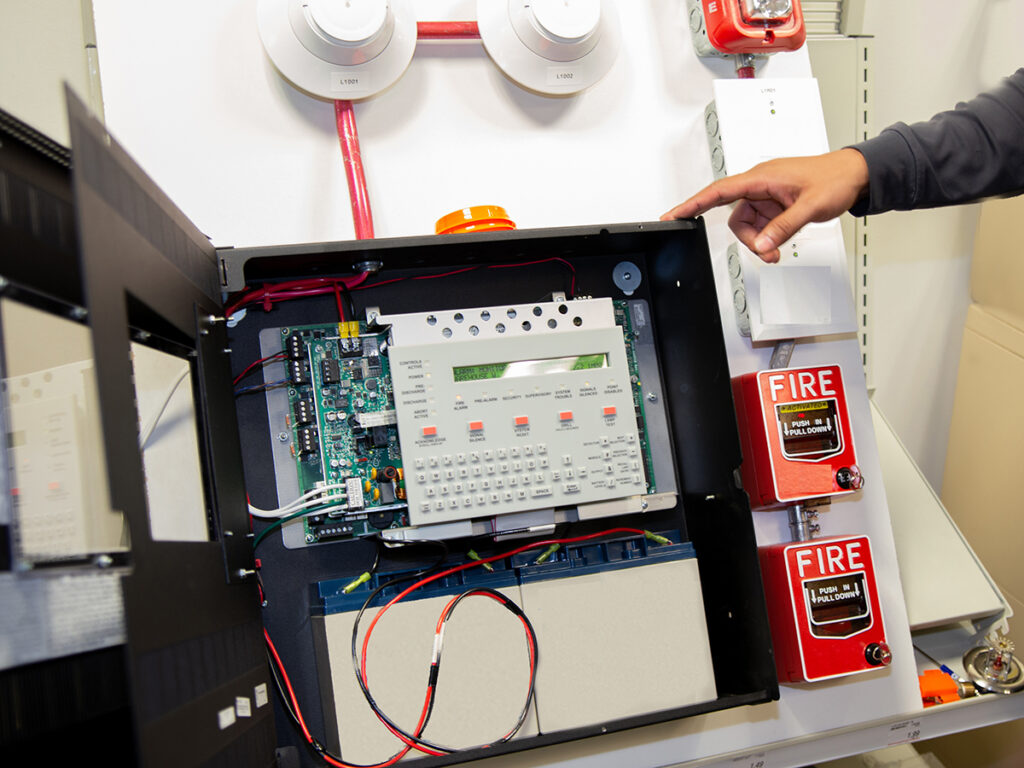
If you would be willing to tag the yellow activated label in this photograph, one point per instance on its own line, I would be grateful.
(817, 405)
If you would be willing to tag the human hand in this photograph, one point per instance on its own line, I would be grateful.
(777, 198)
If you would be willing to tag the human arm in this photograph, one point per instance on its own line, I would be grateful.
(971, 152)
(777, 198)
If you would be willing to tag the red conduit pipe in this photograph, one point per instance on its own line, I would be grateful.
(349, 138)
(744, 72)
(447, 30)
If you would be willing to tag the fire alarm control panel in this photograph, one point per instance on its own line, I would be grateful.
(506, 409)
(797, 441)
(823, 608)
(285, 367)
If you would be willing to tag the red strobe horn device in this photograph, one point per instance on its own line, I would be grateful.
(727, 27)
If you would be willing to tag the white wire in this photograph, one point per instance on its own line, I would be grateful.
(284, 511)
(146, 432)
(306, 500)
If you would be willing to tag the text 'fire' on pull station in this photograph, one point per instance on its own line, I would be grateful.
(796, 435)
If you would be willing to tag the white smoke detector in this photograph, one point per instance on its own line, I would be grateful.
(554, 47)
(339, 49)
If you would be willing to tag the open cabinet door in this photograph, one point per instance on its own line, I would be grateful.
(198, 675)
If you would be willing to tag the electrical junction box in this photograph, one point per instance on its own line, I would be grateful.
(823, 608)
(807, 293)
(797, 440)
(727, 27)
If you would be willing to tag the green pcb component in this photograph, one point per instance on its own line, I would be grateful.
(342, 413)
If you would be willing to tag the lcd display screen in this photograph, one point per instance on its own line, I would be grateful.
(519, 368)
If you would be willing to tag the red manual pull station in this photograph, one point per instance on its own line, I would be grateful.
(796, 435)
(823, 608)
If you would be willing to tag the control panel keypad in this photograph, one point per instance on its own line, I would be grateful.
(514, 410)
(500, 481)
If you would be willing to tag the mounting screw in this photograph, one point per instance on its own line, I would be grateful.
(310, 538)
(369, 265)
(652, 397)
(103, 561)
(282, 436)
(644, 504)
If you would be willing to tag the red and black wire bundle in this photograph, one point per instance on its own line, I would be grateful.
(273, 293)
(414, 739)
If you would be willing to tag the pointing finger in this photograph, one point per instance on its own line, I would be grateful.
(721, 192)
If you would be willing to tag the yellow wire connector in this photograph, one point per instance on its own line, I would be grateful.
(350, 587)
(547, 553)
(656, 538)
(472, 555)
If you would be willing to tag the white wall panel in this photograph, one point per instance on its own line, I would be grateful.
(254, 162)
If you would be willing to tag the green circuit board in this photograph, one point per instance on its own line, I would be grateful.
(341, 409)
(623, 319)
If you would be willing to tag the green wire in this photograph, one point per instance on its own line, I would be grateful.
(287, 518)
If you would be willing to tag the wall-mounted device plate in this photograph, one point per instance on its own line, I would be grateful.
(807, 293)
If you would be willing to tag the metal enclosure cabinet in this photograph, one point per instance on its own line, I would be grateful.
(193, 620)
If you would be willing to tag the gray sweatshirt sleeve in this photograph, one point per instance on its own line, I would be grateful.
(968, 153)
